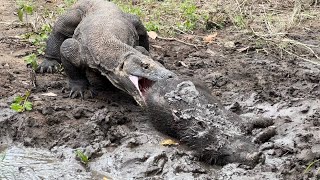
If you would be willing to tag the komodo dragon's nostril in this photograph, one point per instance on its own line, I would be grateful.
(121, 66)
(145, 66)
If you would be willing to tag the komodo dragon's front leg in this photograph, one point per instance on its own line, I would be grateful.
(63, 29)
(74, 68)
(141, 30)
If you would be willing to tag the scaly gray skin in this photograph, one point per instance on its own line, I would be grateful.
(95, 34)
(187, 111)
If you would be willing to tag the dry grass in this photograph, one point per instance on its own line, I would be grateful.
(285, 28)
(281, 27)
(274, 26)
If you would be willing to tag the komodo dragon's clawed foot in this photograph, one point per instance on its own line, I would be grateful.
(79, 87)
(49, 66)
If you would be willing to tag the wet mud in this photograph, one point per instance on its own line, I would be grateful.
(117, 136)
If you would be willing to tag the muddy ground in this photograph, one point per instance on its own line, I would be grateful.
(116, 134)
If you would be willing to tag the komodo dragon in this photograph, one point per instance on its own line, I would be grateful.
(96, 34)
(185, 110)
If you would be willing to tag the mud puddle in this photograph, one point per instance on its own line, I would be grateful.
(36, 163)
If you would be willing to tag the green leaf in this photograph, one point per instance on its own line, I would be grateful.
(83, 158)
(310, 166)
(2, 156)
(28, 9)
(18, 99)
(28, 105)
(27, 94)
(17, 107)
(34, 65)
(20, 14)
(31, 60)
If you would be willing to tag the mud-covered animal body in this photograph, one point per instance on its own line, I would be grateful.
(187, 111)
(97, 35)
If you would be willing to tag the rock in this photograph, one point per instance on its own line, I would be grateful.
(47, 110)
(235, 107)
(81, 112)
(305, 109)
(285, 143)
(229, 44)
(3, 105)
(270, 152)
(306, 155)
(316, 122)
(265, 135)
(6, 66)
(316, 150)
(266, 146)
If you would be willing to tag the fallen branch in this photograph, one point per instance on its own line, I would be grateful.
(305, 59)
(6, 23)
(307, 46)
(276, 41)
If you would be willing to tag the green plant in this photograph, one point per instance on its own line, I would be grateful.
(39, 38)
(188, 10)
(21, 103)
(152, 26)
(311, 165)
(25, 8)
(2, 156)
(68, 3)
(83, 158)
(31, 60)
(129, 8)
(240, 21)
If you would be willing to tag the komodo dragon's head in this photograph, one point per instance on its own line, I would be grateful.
(136, 74)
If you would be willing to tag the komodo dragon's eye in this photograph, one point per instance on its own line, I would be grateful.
(145, 65)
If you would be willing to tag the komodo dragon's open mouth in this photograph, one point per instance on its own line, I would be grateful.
(141, 83)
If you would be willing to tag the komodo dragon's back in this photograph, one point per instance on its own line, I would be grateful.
(103, 23)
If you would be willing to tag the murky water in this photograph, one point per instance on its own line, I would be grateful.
(32, 163)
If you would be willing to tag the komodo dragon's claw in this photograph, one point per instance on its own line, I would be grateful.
(79, 87)
(75, 93)
(48, 66)
(49, 70)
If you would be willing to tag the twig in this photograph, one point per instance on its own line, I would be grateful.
(176, 29)
(6, 23)
(307, 46)
(305, 59)
(11, 37)
(33, 79)
(178, 40)
(292, 42)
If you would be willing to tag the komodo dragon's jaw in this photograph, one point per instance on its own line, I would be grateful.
(137, 74)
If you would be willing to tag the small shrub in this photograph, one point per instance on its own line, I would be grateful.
(83, 158)
(240, 21)
(21, 103)
(25, 8)
(152, 26)
(31, 60)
